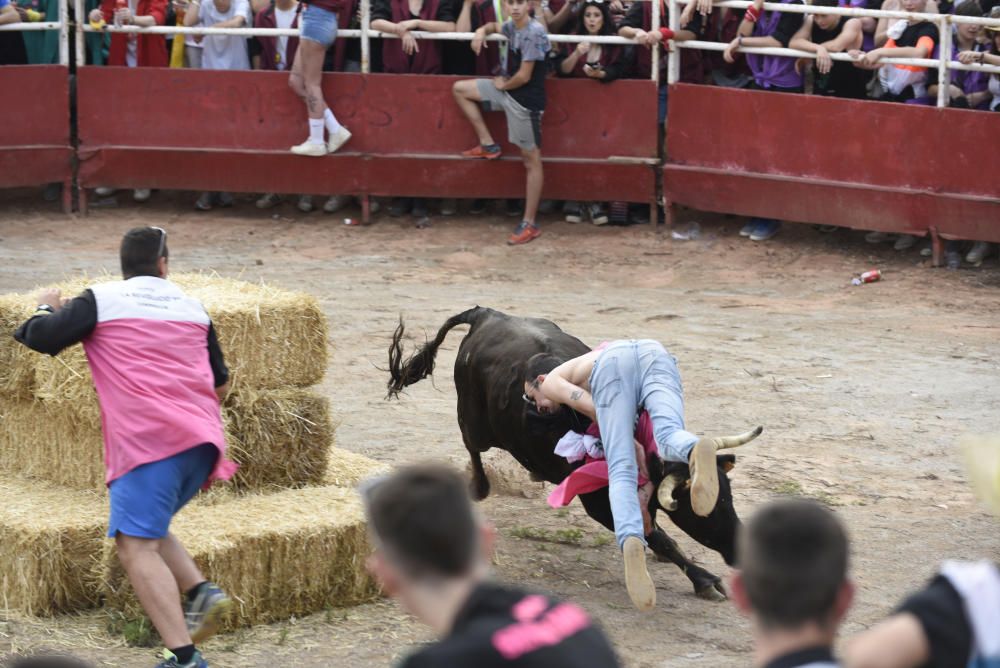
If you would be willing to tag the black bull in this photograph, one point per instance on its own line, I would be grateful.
(489, 379)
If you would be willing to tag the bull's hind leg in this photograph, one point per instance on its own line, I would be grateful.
(479, 486)
(706, 585)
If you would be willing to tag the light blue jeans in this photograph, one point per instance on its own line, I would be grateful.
(627, 377)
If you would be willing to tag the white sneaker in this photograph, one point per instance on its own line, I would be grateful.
(305, 204)
(877, 237)
(104, 191)
(904, 242)
(310, 148)
(141, 194)
(338, 139)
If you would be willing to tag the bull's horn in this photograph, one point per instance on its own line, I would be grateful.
(664, 493)
(724, 442)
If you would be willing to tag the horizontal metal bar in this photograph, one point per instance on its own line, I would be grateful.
(795, 53)
(25, 27)
(855, 11)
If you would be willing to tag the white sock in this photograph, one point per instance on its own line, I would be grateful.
(331, 121)
(316, 130)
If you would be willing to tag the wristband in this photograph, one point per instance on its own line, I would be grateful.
(667, 34)
(752, 14)
(44, 308)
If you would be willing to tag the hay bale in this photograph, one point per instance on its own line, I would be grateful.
(46, 442)
(17, 371)
(347, 469)
(271, 338)
(280, 438)
(50, 539)
(279, 555)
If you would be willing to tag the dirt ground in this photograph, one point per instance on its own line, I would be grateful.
(863, 392)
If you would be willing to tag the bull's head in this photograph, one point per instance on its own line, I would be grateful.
(717, 530)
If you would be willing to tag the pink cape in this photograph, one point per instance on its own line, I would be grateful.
(593, 475)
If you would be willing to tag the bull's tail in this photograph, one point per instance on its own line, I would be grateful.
(421, 363)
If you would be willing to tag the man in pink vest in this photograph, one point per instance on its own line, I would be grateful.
(159, 375)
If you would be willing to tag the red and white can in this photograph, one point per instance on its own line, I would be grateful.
(871, 276)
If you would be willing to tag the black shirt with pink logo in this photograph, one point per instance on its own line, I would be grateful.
(501, 626)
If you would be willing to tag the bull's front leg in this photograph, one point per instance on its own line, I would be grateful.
(706, 585)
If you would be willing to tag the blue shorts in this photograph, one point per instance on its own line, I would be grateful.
(144, 500)
(319, 25)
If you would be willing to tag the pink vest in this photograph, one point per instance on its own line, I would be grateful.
(149, 359)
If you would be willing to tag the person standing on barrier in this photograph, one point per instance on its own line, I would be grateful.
(319, 23)
(160, 377)
(520, 93)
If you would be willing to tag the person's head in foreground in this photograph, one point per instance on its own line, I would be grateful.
(432, 553)
(954, 621)
(792, 582)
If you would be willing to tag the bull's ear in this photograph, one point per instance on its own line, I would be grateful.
(727, 462)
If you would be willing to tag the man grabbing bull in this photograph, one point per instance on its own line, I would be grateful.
(611, 384)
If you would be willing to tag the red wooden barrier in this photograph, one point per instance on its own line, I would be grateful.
(34, 135)
(852, 163)
(210, 130)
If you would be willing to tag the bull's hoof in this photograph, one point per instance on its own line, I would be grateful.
(714, 592)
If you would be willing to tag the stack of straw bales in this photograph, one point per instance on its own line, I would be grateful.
(285, 538)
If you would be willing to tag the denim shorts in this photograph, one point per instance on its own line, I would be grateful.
(144, 500)
(319, 25)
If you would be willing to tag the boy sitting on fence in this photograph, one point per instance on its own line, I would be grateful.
(520, 92)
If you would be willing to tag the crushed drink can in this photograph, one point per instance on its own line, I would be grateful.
(868, 277)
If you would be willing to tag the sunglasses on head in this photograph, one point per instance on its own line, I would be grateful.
(163, 240)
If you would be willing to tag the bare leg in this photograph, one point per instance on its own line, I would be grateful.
(309, 62)
(155, 586)
(467, 96)
(533, 191)
(180, 563)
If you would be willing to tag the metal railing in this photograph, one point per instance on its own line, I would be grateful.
(62, 25)
(943, 62)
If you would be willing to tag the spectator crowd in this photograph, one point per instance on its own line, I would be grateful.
(866, 40)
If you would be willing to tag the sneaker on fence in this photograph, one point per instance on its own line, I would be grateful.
(205, 612)
(225, 200)
(305, 203)
(904, 242)
(491, 152)
(598, 216)
(141, 194)
(310, 148)
(335, 203)
(104, 191)
(765, 230)
(338, 139)
(877, 237)
(573, 212)
(170, 661)
(750, 226)
(980, 251)
(204, 202)
(268, 201)
(523, 233)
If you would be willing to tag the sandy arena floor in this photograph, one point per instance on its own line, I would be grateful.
(862, 391)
